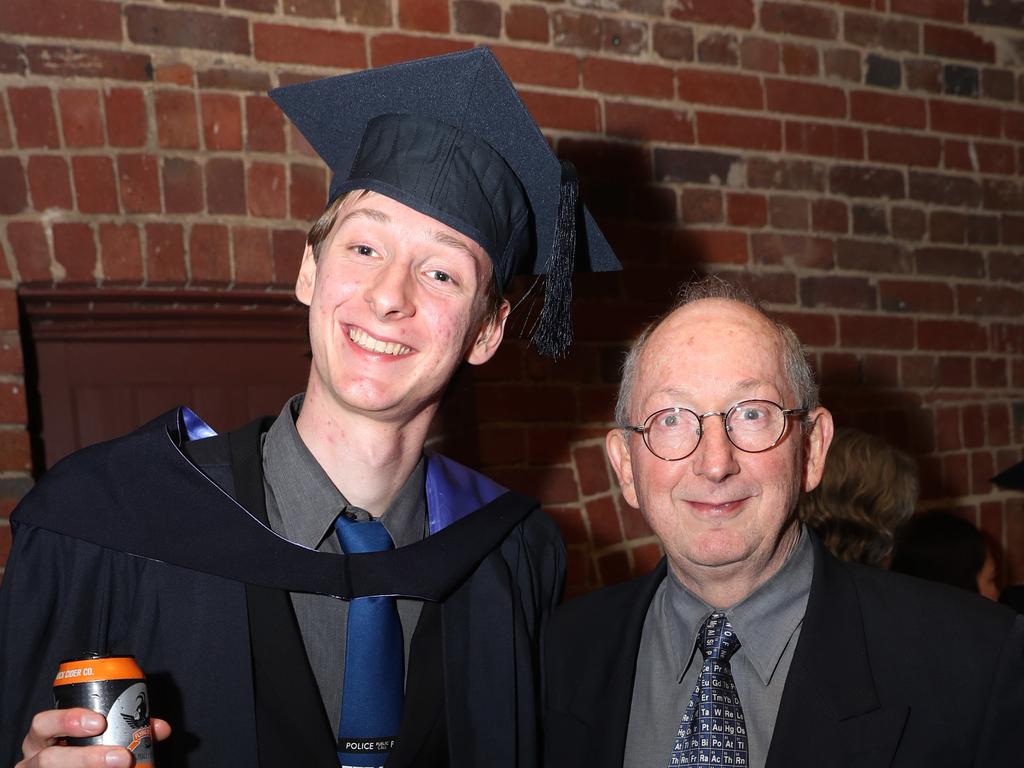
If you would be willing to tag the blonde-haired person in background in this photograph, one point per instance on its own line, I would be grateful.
(868, 491)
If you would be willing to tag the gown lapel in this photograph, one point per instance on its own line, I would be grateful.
(422, 740)
(291, 725)
(478, 647)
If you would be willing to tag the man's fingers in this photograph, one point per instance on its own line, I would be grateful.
(161, 728)
(55, 724)
(42, 748)
(79, 757)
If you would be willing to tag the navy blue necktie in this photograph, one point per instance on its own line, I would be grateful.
(371, 699)
(713, 731)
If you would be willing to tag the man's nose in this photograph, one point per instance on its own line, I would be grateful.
(390, 293)
(715, 457)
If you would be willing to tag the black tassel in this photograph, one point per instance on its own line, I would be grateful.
(552, 335)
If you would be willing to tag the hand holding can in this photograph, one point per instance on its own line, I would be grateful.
(114, 687)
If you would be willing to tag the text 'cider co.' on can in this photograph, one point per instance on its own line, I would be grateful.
(114, 687)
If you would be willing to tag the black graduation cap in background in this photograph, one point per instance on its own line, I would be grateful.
(1012, 478)
(449, 137)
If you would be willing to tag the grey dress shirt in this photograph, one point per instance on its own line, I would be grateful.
(302, 505)
(767, 624)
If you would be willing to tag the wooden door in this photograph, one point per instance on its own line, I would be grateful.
(100, 363)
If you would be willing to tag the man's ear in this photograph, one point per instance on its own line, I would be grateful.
(617, 448)
(816, 442)
(306, 280)
(490, 336)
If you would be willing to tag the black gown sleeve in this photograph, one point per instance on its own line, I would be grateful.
(60, 597)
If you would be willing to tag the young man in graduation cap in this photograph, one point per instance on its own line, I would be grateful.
(226, 592)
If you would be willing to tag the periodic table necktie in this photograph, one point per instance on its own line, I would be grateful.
(712, 731)
(371, 699)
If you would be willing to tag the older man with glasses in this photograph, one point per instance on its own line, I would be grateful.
(750, 645)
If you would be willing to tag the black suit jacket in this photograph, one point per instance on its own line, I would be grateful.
(125, 547)
(888, 671)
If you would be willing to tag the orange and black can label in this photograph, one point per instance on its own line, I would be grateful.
(115, 687)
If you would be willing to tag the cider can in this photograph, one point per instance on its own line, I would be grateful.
(115, 687)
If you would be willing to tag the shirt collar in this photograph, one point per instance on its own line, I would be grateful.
(764, 621)
(308, 500)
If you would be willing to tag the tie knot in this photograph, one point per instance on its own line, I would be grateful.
(362, 535)
(717, 639)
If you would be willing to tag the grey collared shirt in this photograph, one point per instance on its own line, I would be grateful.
(767, 624)
(302, 505)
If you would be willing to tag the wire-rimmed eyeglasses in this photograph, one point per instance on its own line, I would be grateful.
(753, 426)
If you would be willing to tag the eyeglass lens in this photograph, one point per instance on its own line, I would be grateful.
(752, 426)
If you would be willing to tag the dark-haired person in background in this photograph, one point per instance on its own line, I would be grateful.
(867, 492)
(218, 560)
(1012, 478)
(942, 547)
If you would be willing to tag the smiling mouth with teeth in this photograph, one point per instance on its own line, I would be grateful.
(364, 340)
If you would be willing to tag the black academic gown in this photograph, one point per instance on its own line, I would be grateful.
(888, 672)
(126, 547)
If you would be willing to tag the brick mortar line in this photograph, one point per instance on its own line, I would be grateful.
(58, 82)
(826, 163)
(993, 396)
(972, 499)
(889, 314)
(167, 55)
(339, 23)
(614, 491)
(623, 546)
(51, 216)
(805, 120)
(870, 239)
(813, 195)
(923, 279)
(647, 56)
(839, 13)
(783, 117)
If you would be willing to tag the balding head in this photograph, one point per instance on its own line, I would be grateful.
(801, 377)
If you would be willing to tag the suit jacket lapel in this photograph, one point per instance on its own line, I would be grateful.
(620, 685)
(830, 713)
(604, 696)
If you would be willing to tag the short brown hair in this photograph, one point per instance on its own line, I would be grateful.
(317, 236)
(868, 491)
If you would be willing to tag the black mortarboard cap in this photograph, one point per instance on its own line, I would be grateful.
(449, 137)
(1012, 478)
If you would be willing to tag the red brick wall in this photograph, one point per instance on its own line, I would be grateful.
(857, 162)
